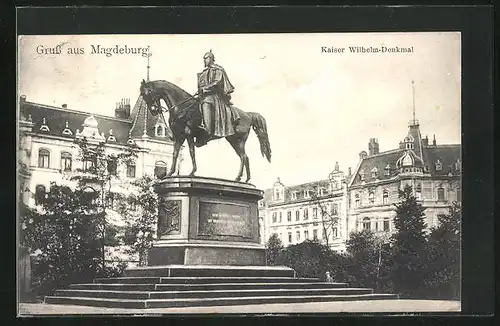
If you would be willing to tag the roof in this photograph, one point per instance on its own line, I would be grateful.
(447, 154)
(56, 118)
(299, 190)
(144, 122)
(380, 161)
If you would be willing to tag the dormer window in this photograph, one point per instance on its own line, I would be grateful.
(458, 165)
(320, 191)
(387, 170)
(294, 195)
(374, 172)
(277, 194)
(362, 175)
(44, 126)
(67, 131)
(306, 193)
(160, 131)
(439, 165)
(111, 137)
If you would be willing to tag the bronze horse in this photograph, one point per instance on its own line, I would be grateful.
(185, 118)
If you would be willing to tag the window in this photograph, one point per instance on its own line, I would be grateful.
(65, 161)
(280, 217)
(335, 209)
(274, 217)
(439, 165)
(43, 158)
(112, 166)
(315, 213)
(335, 233)
(418, 192)
(374, 172)
(306, 193)
(366, 223)
(297, 236)
(321, 191)
(159, 131)
(315, 234)
(294, 195)
(88, 164)
(385, 197)
(357, 201)
(40, 194)
(386, 224)
(376, 225)
(131, 170)
(306, 214)
(277, 194)
(440, 193)
(306, 235)
(387, 170)
(297, 215)
(371, 197)
(289, 216)
(289, 237)
(160, 169)
(362, 175)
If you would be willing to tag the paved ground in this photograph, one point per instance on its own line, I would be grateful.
(398, 306)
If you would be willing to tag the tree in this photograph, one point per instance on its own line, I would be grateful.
(329, 218)
(273, 249)
(140, 207)
(64, 232)
(443, 279)
(409, 245)
(98, 171)
(368, 260)
(308, 259)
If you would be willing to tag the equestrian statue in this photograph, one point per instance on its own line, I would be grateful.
(206, 115)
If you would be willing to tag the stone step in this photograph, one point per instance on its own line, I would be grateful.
(201, 280)
(188, 302)
(211, 293)
(210, 271)
(208, 286)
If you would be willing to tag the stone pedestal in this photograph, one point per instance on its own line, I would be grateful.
(207, 221)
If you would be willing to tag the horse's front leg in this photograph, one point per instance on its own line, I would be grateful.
(190, 140)
(177, 146)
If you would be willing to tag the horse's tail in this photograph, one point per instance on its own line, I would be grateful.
(259, 126)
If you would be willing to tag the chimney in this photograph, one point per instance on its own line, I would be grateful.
(23, 98)
(122, 109)
(349, 171)
(373, 147)
(425, 141)
(64, 106)
(362, 155)
(434, 140)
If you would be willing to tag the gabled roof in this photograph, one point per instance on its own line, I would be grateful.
(56, 119)
(144, 122)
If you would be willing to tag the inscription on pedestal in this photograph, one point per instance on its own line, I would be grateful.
(169, 216)
(218, 219)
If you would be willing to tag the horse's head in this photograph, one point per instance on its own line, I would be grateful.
(150, 96)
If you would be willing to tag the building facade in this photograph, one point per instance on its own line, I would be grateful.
(366, 198)
(315, 210)
(48, 152)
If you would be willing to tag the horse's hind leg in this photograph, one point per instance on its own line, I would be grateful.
(177, 147)
(234, 141)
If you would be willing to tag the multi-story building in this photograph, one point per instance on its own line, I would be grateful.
(48, 152)
(433, 171)
(366, 198)
(315, 210)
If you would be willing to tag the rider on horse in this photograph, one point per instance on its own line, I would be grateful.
(214, 90)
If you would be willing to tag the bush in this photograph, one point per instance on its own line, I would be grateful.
(65, 234)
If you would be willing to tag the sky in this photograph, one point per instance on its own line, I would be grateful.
(320, 107)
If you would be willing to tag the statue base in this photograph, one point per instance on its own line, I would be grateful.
(207, 221)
